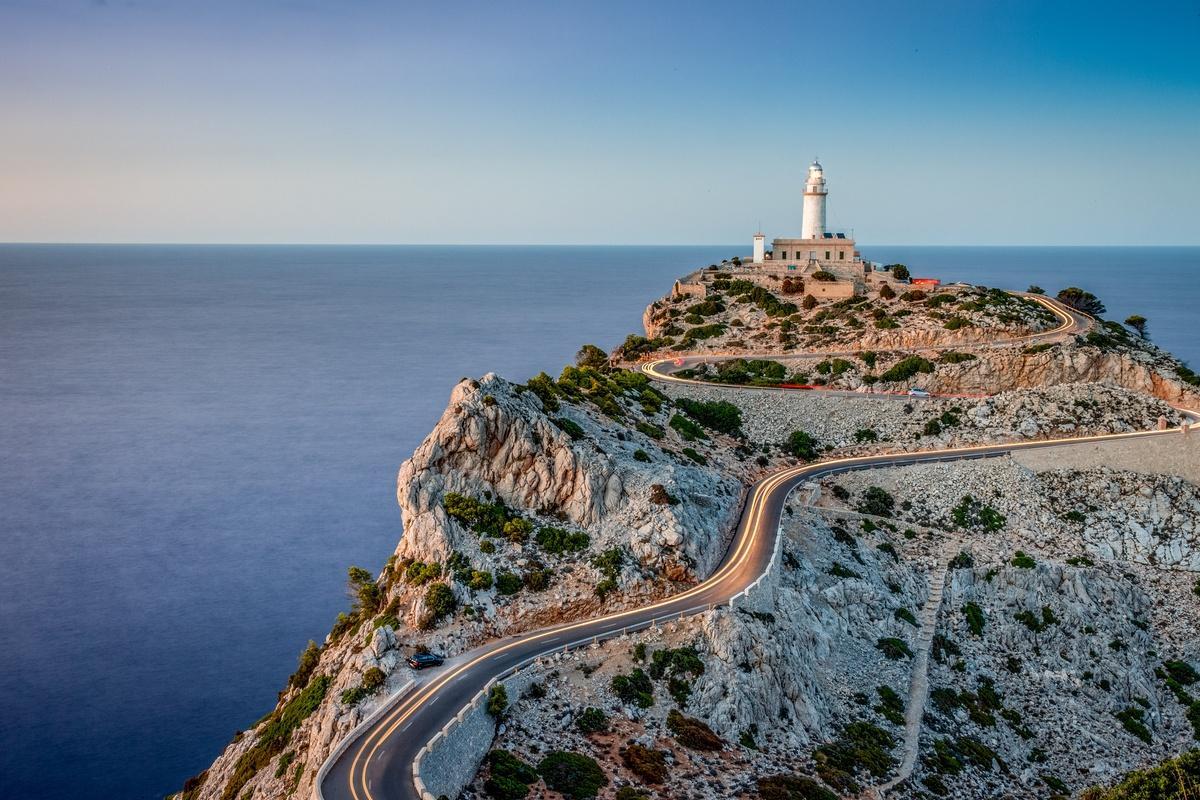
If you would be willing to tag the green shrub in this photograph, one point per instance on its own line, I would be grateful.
(439, 603)
(1024, 561)
(542, 385)
(975, 618)
(694, 456)
(971, 513)
(557, 541)
(653, 431)
(574, 775)
(692, 733)
(634, 688)
(792, 787)
(509, 777)
(687, 429)
(1182, 672)
(840, 571)
(877, 502)
(861, 747)
(1133, 720)
(569, 427)
(648, 764)
(721, 416)
(962, 561)
(865, 435)
(307, 663)
(801, 445)
(486, 519)
(480, 580)
(956, 322)
(605, 587)
(905, 369)
(641, 455)
(508, 583)
(591, 720)
(703, 332)
(497, 700)
(893, 648)
(891, 705)
(677, 661)
(905, 615)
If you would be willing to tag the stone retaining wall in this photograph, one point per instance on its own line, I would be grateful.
(451, 759)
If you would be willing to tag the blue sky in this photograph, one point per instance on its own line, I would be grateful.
(570, 122)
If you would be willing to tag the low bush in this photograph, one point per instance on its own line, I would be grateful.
(497, 700)
(974, 514)
(721, 416)
(891, 705)
(307, 663)
(648, 764)
(840, 571)
(508, 583)
(569, 427)
(557, 541)
(908, 367)
(591, 720)
(975, 618)
(792, 787)
(801, 445)
(508, 776)
(574, 775)
(877, 502)
(1133, 719)
(692, 733)
(861, 747)
(634, 688)
(687, 429)
(440, 602)
(641, 455)
(1023, 560)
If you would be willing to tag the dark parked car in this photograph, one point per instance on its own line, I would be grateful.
(423, 660)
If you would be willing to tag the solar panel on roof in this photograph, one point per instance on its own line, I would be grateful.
(841, 236)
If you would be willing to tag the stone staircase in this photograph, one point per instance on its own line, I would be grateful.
(918, 689)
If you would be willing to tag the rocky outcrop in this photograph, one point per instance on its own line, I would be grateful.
(1008, 369)
(496, 440)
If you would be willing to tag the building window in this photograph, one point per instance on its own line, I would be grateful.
(783, 255)
(841, 255)
(826, 255)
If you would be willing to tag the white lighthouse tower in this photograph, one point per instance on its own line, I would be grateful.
(760, 247)
(813, 226)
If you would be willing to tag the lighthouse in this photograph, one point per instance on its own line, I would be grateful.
(813, 225)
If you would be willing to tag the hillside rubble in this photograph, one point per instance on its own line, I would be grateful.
(838, 421)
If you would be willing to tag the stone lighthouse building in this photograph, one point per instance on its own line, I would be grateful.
(813, 226)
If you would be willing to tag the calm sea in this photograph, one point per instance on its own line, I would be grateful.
(197, 441)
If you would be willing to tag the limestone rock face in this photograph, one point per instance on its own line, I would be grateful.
(1000, 370)
(497, 440)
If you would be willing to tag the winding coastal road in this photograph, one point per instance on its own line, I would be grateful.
(377, 764)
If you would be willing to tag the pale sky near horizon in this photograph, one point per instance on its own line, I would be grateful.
(612, 123)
